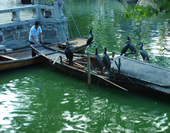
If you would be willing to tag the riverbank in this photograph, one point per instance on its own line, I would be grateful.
(16, 23)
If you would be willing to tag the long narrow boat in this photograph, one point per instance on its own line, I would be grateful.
(23, 57)
(121, 77)
(18, 58)
(145, 75)
(78, 69)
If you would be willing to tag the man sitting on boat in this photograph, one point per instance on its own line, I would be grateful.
(34, 33)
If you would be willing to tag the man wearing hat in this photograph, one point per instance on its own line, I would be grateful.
(34, 33)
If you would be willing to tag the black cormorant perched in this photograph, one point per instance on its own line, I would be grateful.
(125, 48)
(99, 61)
(144, 54)
(132, 47)
(106, 60)
(69, 54)
(90, 39)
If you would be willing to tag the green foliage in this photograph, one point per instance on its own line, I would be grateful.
(140, 12)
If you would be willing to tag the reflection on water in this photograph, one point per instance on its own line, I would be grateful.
(41, 99)
(111, 29)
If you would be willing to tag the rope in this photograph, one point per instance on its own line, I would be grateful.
(66, 39)
(68, 22)
(70, 30)
(73, 20)
(75, 24)
(63, 31)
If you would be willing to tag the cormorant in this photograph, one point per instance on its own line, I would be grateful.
(90, 39)
(99, 61)
(143, 53)
(69, 54)
(106, 60)
(132, 47)
(125, 48)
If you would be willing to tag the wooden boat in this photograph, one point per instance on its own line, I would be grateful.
(77, 45)
(145, 76)
(23, 57)
(79, 68)
(126, 77)
(18, 58)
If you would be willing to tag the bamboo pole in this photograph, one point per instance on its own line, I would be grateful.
(88, 70)
(102, 77)
(110, 81)
(119, 66)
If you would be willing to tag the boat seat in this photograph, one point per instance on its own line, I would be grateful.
(8, 57)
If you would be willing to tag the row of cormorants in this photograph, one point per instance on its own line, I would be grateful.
(134, 51)
(106, 60)
(98, 60)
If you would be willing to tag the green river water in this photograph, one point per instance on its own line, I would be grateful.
(40, 99)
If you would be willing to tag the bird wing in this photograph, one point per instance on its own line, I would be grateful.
(106, 61)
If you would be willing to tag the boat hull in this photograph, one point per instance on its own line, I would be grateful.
(142, 74)
(116, 80)
(12, 64)
(18, 58)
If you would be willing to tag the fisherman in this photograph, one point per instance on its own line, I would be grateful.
(34, 33)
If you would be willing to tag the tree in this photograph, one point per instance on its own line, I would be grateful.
(141, 12)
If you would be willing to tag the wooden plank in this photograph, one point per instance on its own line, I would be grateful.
(8, 57)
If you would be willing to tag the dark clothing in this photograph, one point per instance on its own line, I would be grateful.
(33, 53)
(32, 42)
